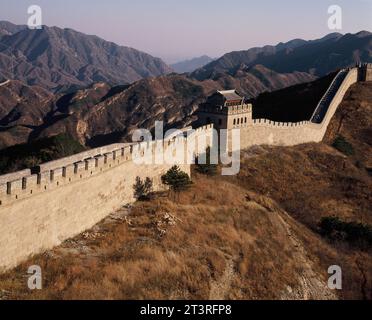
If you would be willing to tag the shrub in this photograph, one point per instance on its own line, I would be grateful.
(353, 232)
(143, 190)
(343, 146)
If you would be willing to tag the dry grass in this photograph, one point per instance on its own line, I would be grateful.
(221, 239)
(310, 181)
(216, 224)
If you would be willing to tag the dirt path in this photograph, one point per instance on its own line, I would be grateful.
(220, 287)
(311, 284)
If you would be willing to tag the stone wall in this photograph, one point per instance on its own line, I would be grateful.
(368, 76)
(263, 131)
(14, 176)
(81, 156)
(39, 211)
(365, 72)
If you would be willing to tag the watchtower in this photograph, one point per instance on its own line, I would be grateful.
(226, 110)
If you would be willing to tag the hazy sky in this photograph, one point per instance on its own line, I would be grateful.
(174, 30)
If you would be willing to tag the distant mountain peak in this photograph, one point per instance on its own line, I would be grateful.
(332, 35)
(363, 33)
(191, 64)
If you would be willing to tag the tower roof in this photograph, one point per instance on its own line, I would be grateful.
(230, 95)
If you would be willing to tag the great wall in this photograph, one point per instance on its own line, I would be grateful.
(57, 200)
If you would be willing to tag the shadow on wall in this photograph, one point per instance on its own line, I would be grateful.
(294, 104)
(32, 154)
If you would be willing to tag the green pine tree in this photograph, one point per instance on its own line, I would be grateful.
(176, 179)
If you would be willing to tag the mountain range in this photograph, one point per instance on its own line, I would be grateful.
(314, 57)
(63, 59)
(60, 80)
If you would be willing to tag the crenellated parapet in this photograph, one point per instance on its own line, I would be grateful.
(270, 123)
(59, 173)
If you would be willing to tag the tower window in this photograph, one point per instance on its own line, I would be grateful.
(234, 122)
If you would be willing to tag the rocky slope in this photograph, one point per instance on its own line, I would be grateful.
(8, 28)
(101, 114)
(61, 59)
(251, 81)
(353, 121)
(22, 109)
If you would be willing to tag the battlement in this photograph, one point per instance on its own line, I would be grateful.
(80, 156)
(270, 123)
(14, 176)
(236, 109)
(58, 173)
(265, 131)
